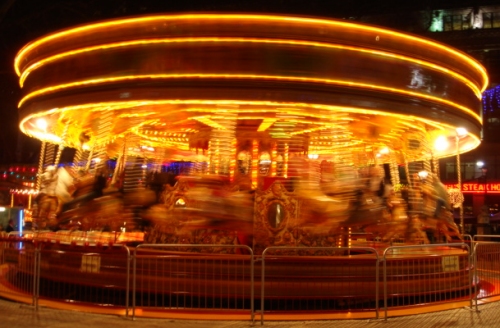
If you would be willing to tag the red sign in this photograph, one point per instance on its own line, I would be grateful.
(477, 188)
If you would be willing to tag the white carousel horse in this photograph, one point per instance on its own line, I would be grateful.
(56, 188)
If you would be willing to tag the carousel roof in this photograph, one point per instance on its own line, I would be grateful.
(166, 85)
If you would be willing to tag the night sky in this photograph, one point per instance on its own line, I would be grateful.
(22, 21)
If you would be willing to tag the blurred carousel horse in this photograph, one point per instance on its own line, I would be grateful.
(217, 209)
(95, 206)
(56, 188)
(206, 206)
(437, 214)
(360, 203)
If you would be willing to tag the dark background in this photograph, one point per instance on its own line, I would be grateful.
(22, 21)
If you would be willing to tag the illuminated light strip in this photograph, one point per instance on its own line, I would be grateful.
(266, 123)
(327, 125)
(209, 122)
(209, 157)
(412, 125)
(169, 144)
(232, 160)
(300, 106)
(267, 18)
(244, 76)
(217, 157)
(304, 121)
(53, 58)
(285, 160)
(274, 157)
(180, 141)
(137, 114)
(290, 111)
(255, 162)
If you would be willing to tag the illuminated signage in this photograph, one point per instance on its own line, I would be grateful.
(475, 188)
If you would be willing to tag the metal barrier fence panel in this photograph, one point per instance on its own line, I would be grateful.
(19, 260)
(487, 265)
(80, 275)
(187, 277)
(3, 246)
(320, 279)
(423, 274)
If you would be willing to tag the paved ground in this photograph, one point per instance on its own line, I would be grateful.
(13, 315)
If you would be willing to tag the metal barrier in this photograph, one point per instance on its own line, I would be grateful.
(467, 239)
(3, 246)
(20, 259)
(486, 254)
(82, 275)
(426, 273)
(311, 279)
(169, 278)
(45, 270)
(319, 278)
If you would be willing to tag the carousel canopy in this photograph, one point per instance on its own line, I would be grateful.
(168, 85)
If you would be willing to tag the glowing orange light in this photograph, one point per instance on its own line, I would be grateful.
(285, 166)
(380, 32)
(266, 123)
(274, 157)
(255, 162)
(216, 159)
(208, 121)
(53, 58)
(244, 76)
(232, 161)
(26, 125)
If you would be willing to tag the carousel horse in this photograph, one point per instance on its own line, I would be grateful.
(437, 215)
(207, 207)
(323, 204)
(217, 209)
(96, 206)
(369, 205)
(55, 189)
(353, 200)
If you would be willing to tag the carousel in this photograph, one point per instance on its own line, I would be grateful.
(290, 131)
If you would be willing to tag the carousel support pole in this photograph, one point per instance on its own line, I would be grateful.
(40, 166)
(61, 146)
(232, 160)
(50, 155)
(435, 166)
(286, 160)
(120, 164)
(394, 172)
(38, 185)
(407, 172)
(89, 160)
(12, 200)
(255, 163)
(274, 157)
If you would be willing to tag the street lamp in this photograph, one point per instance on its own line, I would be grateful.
(460, 132)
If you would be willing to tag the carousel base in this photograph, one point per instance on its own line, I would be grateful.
(289, 294)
